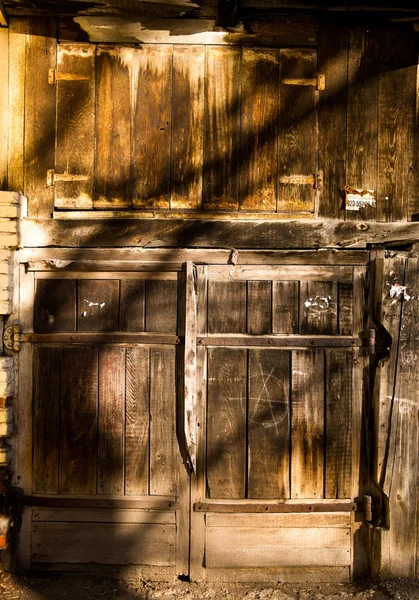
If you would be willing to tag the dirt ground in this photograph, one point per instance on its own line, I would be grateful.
(77, 588)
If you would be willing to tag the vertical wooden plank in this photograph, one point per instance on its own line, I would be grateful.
(259, 307)
(161, 306)
(363, 74)
(318, 307)
(413, 179)
(338, 426)
(333, 63)
(269, 424)
(131, 305)
(4, 105)
(55, 305)
(78, 420)
(162, 421)
(114, 72)
(307, 437)
(110, 478)
(345, 308)
(152, 127)
(227, 307)
(40, 109)
(46, 395)
(222, 128)
(259, 129)
(75, 146)
(226, 423)
(298, 131)
(285, 301)
(17, 78)
(97, 305)
(137, 420)
(188, 126)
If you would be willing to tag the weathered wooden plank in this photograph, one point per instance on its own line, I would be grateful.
(152, 127)
(259, 307)
(16, 121)
(129, 515)
(131, 543)
(285, 302)
(137, 421)
(152, 275)
(46, 394)
(111, 420)
(75, 143)
(342, 520)
(269, 424)
(131, 305)
(98, 302)
(4, 106)
(284, 574)
(262, 272)
(188, 127)
(55, 306)
(259, 129)
(100, 502)
(413, 176)
(78, 420)
(338, 416)
(333, 63)
(114, 74)
(222, 128)
(363, 90)
(307, 411)
(226, 306)
(162, 421)
(345, 308)
(161, 306)
(226, 423)
(318, 307)
(39, 145)
(298, 133)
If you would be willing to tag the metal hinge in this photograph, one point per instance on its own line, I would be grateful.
(54, 77)
(315, 180)
(53, 177)
(368, 337)
(318, 82)
(11, 338)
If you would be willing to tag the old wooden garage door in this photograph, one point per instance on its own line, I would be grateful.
(248, 376)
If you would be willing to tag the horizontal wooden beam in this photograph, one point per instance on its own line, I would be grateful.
(60, 502)
(280, 273)
(280, 341)
(161, 233)
(283, 507)
(121, 337)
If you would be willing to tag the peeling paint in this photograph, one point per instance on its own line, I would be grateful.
(100, 304)
(397, 291)
(321, 303)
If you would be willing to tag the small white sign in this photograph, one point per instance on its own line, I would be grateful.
(356, 199)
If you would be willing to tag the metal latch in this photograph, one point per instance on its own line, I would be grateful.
(53, 177)
(318, 82)
(368, 337)
(315, 180)
(374, 511)
(11, 338)
(53, 77)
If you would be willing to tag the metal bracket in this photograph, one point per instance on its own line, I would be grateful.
(53, 177)
(318, 82)
(11, 338)
(315, 180)
(54, 77)
(368, 337)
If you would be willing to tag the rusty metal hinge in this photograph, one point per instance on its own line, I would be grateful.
(368, 337)
(54, 77)
(318, 82)
(315, 180)
(53, 177)
(11, 338)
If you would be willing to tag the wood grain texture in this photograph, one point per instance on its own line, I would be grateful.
(259, 129)
(75, 142)
(4, 106)
(269, 424)
(222, 128)
(55, 305)
(131, 305)
(111, 420)
(346, 308)
(46, 394)
(307, 437)
(226, 423)
(97, 308)
(298, 133)
(318, 307)
(114, 83)
(285, 520)
(152, 127)
(161, 306)
(285, 302)
(259, 307)
(226, 307)
(188, 127)
(16, 122)
(78, 420)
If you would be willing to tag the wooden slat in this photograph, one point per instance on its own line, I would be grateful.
(152, 127)
(259, 129)
(264, 341)
(318, 307)
(147, 339)
(161, 306)
(39, 145)
(102, 502)
(285, 302)
(292, 506)
(342, 520)
(16, 119)
(345, 308)
(259, 307)
(307, 424)
(131, 305)
(283, 574)
(55, 306)
(137, 420)
(226, 423)
(4, 106)
(78, 421)
(413, 173)
(162, 421)
(111, 420)
(269, 424)
(338, 426)
(46, 394)
(110, 274)
(188, 127)
(222, 128)
(119, 543)
(298, 135)
(103, 516)
(226, 307)
(97, 305)
(75, 144)
(273, 272)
